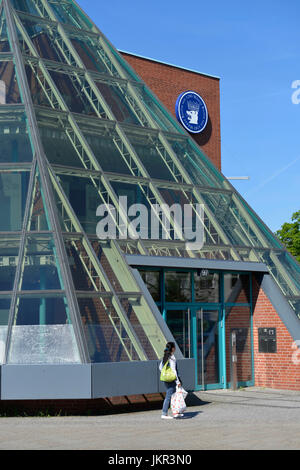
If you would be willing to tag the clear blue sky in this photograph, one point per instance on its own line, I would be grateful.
(254, 47)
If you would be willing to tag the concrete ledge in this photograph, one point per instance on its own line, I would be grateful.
(87, 381)
(124, 378)
(136, 378)
(45, 382)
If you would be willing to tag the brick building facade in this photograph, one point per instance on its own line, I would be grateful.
(168, 81)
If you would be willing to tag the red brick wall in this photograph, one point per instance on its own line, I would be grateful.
(273, 370)
(239, 317)
(167, 82)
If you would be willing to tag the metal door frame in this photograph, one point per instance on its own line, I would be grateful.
(193, 309)
(221, 346)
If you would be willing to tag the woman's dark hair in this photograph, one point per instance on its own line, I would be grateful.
(168, 351)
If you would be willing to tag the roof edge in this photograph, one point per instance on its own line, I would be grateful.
(169, 64)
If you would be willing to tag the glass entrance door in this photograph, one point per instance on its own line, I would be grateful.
(197, 333)
(208, 350)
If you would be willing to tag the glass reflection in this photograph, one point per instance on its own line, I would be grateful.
(178, 286)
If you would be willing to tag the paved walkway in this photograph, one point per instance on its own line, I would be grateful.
(252, 418)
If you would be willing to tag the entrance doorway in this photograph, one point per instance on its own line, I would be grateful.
(197, 332)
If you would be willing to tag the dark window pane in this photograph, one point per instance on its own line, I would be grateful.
(178, 286)
(15, 144)
(9, 251)
(84, 199)
(178, 322)
(58, 147)
(4, 43)
(38, 94)
(4, 313)
(237, 288)
(146, 147)
(152, 281)
(206, 287)
(13, 193)
(42, 311)
(41, 268)
(72, 94)
(105, 150)
(90, 53)
(43, 37)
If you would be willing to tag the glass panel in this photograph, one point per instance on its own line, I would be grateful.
(13, 193)
(9, 251)
(85, 278)
(291, 266)
(4, 42)
(281, 276)
(84, 199)
(152, 281)
(37, 93)
(197, 165)
(156, 111)
(146, 147)
(103, 342)
(41, 267)
(237, 288)
(206, 287)
(66, 12)
(26, 6)
(72, 94)
(144, 327)
(57, 145)
(38, 218)
(115, 97)
(91, 54)
(179, 323)
(178, 286)
(101, 141)
(43, 37)
(230, 219)
(238, 320)
(9, 90)
(15, 144)
(271, 239)
(4, 313)
(42, 333)
(208, 365)
(42, 311)
(122, 64)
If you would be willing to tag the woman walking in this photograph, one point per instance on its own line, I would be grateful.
(170, 386)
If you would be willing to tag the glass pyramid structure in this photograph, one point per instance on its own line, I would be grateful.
(79, 128)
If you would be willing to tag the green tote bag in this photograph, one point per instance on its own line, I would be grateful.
(167, 374)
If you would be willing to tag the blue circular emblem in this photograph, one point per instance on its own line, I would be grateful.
(191, 111)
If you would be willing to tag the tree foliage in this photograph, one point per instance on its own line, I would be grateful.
(289, 234)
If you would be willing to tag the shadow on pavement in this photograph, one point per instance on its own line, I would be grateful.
(191, 414)
(193, 400)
